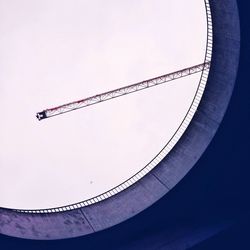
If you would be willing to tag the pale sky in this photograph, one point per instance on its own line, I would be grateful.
(56, 51)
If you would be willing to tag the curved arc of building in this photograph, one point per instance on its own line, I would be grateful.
(85, 220)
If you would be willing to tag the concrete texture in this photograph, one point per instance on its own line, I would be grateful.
(215, 98)
(171, 170)
(121, 207)
(44, 226)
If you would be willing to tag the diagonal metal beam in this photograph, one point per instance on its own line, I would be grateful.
(68, 107)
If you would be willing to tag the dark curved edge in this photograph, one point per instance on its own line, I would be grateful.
(171, 170)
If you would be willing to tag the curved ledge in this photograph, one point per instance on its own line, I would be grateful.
(171, 170)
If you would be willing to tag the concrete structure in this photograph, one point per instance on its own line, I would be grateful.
(171, 170)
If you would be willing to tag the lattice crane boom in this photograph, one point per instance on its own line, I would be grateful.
(47, 113)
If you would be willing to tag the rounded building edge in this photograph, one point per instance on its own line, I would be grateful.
(171, 170)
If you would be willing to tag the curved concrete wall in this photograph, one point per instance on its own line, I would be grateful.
(171, 170)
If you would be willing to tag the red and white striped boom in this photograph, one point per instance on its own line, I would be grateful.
(47, 113)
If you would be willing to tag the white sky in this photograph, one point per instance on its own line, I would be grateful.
(56, 51)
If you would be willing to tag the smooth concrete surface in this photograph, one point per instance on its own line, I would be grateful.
(179, 238)
(171, 170)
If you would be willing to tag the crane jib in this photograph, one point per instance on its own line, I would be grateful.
(47, 113)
